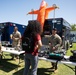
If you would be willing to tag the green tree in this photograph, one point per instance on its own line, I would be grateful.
(73, 26)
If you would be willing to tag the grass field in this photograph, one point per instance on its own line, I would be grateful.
(11, 67)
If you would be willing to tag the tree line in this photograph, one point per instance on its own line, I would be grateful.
(73, 27)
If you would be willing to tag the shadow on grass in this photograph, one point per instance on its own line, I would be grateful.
(70, 67)
(41, 71)
(19, 72)
(44, 71)
(7, 66)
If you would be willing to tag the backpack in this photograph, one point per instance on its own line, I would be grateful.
(28, 43)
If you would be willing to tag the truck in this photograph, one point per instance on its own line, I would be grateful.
(63, 29)
(6, 29)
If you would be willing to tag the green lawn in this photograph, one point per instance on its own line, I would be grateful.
(11, 67)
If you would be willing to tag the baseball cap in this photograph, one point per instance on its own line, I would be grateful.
(55, 29)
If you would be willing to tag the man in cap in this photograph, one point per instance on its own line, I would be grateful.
(55, 42)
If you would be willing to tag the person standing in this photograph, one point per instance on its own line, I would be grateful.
(16, 40)
(31, 58)
(55, 42)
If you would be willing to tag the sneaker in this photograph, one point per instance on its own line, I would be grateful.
(17, 57)
(56, 71)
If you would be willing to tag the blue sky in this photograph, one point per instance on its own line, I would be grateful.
(16, 10)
